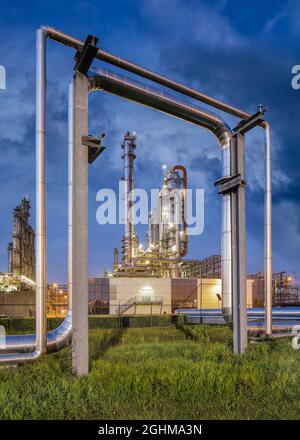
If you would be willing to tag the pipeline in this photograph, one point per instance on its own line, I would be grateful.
(24, 348)
(148, 96)
(285, 318)
(117, 61)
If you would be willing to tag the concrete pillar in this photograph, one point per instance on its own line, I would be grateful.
(238, 218)
(79, 226)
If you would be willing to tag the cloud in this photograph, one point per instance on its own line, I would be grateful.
(200, 45)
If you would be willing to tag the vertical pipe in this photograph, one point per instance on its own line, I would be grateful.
(268, 233)
(41, 281)
(226, 258)
(70, 191)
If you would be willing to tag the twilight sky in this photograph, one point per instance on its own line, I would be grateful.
(240, 52)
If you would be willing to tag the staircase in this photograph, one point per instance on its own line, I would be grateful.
(139, 300)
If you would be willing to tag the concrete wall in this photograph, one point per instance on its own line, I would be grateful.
(209, 293)
(201, 293)
(124, 289)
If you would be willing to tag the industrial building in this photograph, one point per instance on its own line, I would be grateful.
(156, 278)
(286, 291)
(17, 286)
(21, 253)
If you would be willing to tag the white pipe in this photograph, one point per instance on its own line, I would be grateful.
(268, 233)
(58, 338)
(226, 239)
(41, 281)
(41, 284)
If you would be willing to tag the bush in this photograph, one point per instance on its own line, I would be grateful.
(110, 322)
(26, 325)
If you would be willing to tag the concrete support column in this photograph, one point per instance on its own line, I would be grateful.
(238, 218)
(78, 227)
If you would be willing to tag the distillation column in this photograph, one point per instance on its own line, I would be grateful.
(128, 156)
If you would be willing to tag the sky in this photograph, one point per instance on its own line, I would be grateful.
(239, 52)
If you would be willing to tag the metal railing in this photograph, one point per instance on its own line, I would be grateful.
(139, 300)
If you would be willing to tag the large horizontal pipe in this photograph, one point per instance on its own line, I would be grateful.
(285, 318)
(56, 340)
(145, 73)
(148, 96)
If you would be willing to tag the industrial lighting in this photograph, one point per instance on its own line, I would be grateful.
(146, 291)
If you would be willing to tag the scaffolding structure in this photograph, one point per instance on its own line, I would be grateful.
(21, 253)
(209, 267)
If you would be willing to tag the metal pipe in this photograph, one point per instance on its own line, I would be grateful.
(148, 96)
(145, 73)
(268, 233)
(17, 346)
(226, 239)
(70, 194)
(41, 279)
(41, 285)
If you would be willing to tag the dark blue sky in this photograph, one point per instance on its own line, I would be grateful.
(241, 52)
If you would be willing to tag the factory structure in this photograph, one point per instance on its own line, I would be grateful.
(17, 285)
(156, 278)
(21, 250)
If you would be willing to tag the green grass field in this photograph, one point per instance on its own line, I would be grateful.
(159, 373)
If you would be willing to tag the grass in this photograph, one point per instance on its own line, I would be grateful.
(158, 373)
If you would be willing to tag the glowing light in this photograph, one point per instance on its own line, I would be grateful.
(146, 290)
